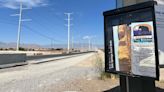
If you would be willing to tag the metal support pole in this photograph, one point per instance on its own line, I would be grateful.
(68, 25)
(89, 41)
(136, 84)
(127, 84)
(72, 43)
(19, 27)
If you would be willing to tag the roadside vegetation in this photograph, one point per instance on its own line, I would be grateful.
(100, 67)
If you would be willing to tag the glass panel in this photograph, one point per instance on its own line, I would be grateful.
(132, 36)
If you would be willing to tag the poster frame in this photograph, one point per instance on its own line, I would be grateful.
(115, 12)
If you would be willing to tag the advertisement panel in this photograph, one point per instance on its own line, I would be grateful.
(143, 49)
(131, 45)
(122, 47)
(134, 48)
(159, 11)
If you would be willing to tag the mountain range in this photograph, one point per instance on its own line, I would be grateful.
(36, 46)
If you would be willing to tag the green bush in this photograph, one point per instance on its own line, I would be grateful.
(22, 49)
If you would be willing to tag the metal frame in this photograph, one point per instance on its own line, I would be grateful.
(149, 4)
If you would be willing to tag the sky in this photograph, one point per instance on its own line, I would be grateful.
(48, 20)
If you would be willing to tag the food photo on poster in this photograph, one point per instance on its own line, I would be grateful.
(122, 48)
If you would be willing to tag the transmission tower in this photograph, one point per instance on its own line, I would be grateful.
(20, 23)
(69, 27)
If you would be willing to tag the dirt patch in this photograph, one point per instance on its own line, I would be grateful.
(96, 85)
(89, 62)
(87, 86)
(93, 83)
(160, 84)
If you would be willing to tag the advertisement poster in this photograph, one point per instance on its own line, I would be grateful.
(122, 36)
(134, 48)
(161, 2)
(143, 49)
(159, 11)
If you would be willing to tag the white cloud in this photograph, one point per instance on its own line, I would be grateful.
(14, 4)
(86, 37)
(89, 37)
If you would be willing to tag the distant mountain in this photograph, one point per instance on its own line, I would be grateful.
(36, 46)
(75, 45)
(33, 46)
(2, 45)
(13, 45)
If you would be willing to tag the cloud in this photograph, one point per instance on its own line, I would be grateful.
(86, 37)
(89, 37)
(14, 4)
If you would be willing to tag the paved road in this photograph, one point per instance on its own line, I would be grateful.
(34, 77)
(54, 55)
(46, 59)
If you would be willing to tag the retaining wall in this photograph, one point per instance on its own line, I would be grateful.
(7, 60)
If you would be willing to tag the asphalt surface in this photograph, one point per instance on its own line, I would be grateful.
(39, 77)
(53, 55)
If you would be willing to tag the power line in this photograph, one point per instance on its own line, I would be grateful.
(45, 18)
(89, 41)
(52, 40)
(38, 33)
(34, 31)
(43, 26)
(30, 29)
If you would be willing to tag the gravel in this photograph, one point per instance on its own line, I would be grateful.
(77, 74)
(40, 77)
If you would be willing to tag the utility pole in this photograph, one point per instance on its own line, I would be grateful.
(89, 43)
(69, 26)
(72, 43)
(54, 44)
(19, 26)
(81, 45)
(51, 44)
(20, 23)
